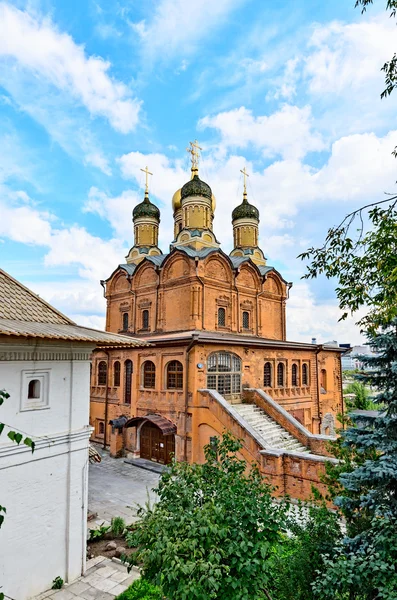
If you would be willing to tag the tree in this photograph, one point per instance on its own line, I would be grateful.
(361, 396)
(213, 531)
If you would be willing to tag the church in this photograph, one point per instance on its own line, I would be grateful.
(214, 352)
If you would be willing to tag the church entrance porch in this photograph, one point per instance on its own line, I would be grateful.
(155, 438)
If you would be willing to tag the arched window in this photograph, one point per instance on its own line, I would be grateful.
(102, 373)
(125, 321)
(101, 428)
(145, 319)
(305, 374)
(116, 373)
(221, 317)
(280, 374)
(246, 320)
(267, 375)
(149, 374)
(294, 375)
(224, 373)
(174, 375)
(34, 389)
(127, 381)
(323, 380)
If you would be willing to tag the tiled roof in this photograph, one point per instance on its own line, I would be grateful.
(24, 314)
(17, 302)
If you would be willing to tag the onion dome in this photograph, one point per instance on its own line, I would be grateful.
(196, 187)
(245, 210)
(146, 209)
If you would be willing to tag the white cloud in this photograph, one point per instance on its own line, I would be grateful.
(34, 45)
(177, 27)
(287, 132)
(96, 159)
(116, 210)
(346, 57)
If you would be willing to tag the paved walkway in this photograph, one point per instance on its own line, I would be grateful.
(103, 580)
(115, 488)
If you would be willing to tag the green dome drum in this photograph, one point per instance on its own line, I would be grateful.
(245, 210)
(196, 187)
(146, 209)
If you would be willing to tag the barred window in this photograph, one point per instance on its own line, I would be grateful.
(102, 372)
(224, 373)
(294, 375)
(149, 374)
(116, 373)
(267, 375)
(127, 381)
(125, 321)
(246, 320)
(221, 317)
(280, 374)
(174, 375)
(305, 374)
(145, 319)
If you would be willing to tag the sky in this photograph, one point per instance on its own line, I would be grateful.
(93, 91)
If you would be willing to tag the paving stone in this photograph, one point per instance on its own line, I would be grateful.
(106, 571)
(119, 577)
(63, 595)
(92, 579)
(78, 587)
(119, 589)
(132, 577)
(94, 561)
(104, 585)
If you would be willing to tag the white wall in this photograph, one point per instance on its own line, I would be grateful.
(45, 493)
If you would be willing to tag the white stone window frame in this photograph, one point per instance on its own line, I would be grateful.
(42, 402)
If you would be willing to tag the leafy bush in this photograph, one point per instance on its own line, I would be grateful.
(141, 590)
(117, 526)
(213, 530)
(361, 399)
(98, 534)
(57, 583)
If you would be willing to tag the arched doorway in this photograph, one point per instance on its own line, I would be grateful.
(155, 437)
(155, 446)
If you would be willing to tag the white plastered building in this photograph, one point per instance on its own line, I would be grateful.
(45, 367)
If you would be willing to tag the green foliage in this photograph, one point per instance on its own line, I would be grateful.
(141, 590)
(313, 532)
(57, 583)
(365, 264)
(117, 526)
(212, 532)
(98, 534)
(361, 400)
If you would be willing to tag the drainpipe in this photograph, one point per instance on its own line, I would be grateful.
(190, 346)
(106, 401)
(341, 390)
(318, 349)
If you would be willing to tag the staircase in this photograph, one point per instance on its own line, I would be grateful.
(274, 435)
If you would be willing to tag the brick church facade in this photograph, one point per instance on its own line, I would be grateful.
(214, 352)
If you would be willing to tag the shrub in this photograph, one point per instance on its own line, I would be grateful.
(141, 590)
(117, 526)
(98, 534)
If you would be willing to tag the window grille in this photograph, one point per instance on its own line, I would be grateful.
(145, 319)
(127, 381)
(221, 317)
(174, 375)
(294, 375)
(224, 373)
(125, 321)
(267, 375)
(280, 374)
(102, 372)
(305, 375)
(149, 374)
(116, 373)
(246, 320)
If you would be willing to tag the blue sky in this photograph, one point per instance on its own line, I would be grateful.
(92, 91)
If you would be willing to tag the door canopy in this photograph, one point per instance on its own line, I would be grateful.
(165, 426)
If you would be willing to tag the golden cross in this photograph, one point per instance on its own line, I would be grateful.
(244, 172)
(147, 172)
(194, 150)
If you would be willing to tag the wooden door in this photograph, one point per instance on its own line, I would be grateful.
(155, 446)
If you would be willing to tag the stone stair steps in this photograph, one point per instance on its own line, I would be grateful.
(274, 435)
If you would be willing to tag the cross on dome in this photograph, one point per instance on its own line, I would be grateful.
(244, 172)
(147, 173)
(194, 151)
